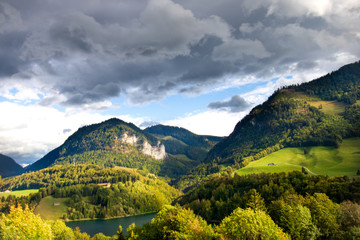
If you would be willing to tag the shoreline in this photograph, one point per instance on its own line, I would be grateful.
(109, 218)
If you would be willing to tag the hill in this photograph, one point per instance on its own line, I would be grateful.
(319, 113)
(185, 149)
(183, 136)
(8, 167)
(110, 143)
(90, 191)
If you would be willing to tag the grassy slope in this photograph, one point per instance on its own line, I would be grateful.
(19, 192)
(319, 160)
(48, 211)
(329, 107)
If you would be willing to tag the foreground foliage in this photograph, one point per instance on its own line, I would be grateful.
(250, 224)
(173, 222)
(217, 198)
(284, 214)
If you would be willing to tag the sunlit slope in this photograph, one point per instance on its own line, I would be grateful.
(51, 208)
(330, 161)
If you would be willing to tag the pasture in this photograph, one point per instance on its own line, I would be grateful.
(330, 161)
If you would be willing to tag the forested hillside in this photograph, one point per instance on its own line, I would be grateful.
(8, 167)
(300, 204)
(297, 116)
(185, 149)
(128, 192)
(116, 143)
(185, 136)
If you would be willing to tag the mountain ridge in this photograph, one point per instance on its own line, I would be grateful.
(9, 167)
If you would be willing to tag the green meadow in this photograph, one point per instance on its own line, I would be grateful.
(329, 107)
(51, 208)
(19, 192)
(330, 161)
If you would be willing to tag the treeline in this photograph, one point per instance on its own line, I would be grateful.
(66, 175)
(218, 197)
(130, 158)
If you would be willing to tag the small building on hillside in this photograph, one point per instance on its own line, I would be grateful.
(104, 184)
(271, 164)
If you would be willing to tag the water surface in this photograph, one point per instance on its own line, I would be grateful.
(110, 226)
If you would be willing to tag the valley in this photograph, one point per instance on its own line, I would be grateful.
(295, 157)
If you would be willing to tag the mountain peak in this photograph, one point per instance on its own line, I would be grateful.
(110, 136)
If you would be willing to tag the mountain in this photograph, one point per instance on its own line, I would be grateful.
(163, 150)
(320, 112)
(181, 141)
(110, 143)
(8, 167)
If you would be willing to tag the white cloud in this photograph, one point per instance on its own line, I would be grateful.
(211, 122)
(19, 90)
(29, 132)
(293, 8)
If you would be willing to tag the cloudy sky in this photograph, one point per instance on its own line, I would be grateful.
(197, 64)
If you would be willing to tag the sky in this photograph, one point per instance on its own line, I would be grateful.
(201, 65)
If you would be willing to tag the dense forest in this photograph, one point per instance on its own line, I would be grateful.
(264, 206)
(129, 192)
(67, 175)
(287, 198)
(218, 197)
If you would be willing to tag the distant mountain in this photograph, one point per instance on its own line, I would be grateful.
(163, 150)
(185, 150)
(181, 141)
(110, 143)
(8, 167)
(320, 112)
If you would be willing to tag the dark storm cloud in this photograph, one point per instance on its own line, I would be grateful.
(82, 53)
(235, 104)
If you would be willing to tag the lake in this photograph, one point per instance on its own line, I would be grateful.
(110, 226)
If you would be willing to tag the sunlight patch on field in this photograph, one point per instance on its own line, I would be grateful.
(19, 193)
(329, 107)
(51, 208)
(319, 160)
